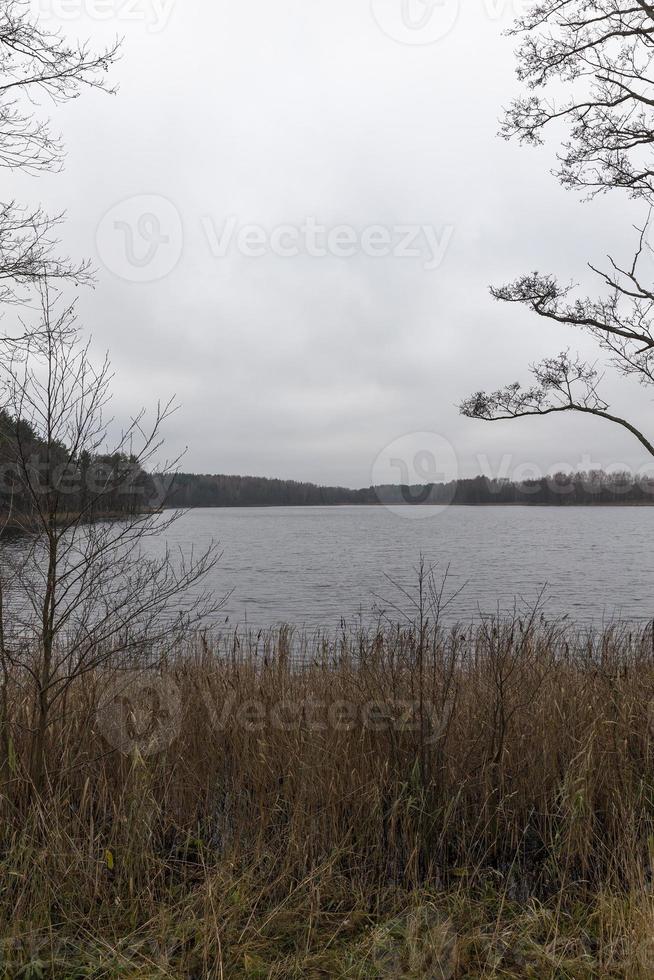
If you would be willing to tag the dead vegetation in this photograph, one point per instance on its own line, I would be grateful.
(408, 802)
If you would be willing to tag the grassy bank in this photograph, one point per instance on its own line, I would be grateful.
(406, 803)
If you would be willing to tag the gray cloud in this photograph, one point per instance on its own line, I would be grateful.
(307, 366)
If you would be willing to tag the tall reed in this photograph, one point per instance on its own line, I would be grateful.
(282, 784)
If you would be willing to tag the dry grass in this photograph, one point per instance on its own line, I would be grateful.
(408, 803)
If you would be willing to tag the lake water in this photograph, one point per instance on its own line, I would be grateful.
(313, 566)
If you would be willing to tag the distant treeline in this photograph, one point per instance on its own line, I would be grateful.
(561, 489)
(32, 476)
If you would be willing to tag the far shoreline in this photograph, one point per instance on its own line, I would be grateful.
(588, 489)
(393, 505)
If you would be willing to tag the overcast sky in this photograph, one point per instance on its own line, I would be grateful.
(249, 197)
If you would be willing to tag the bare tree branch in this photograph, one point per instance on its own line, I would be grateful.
(600, 51)
(37, 65)
(83, 587)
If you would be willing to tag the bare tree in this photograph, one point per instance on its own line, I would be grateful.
(80, 588)
(601, 51)
(36, 65)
